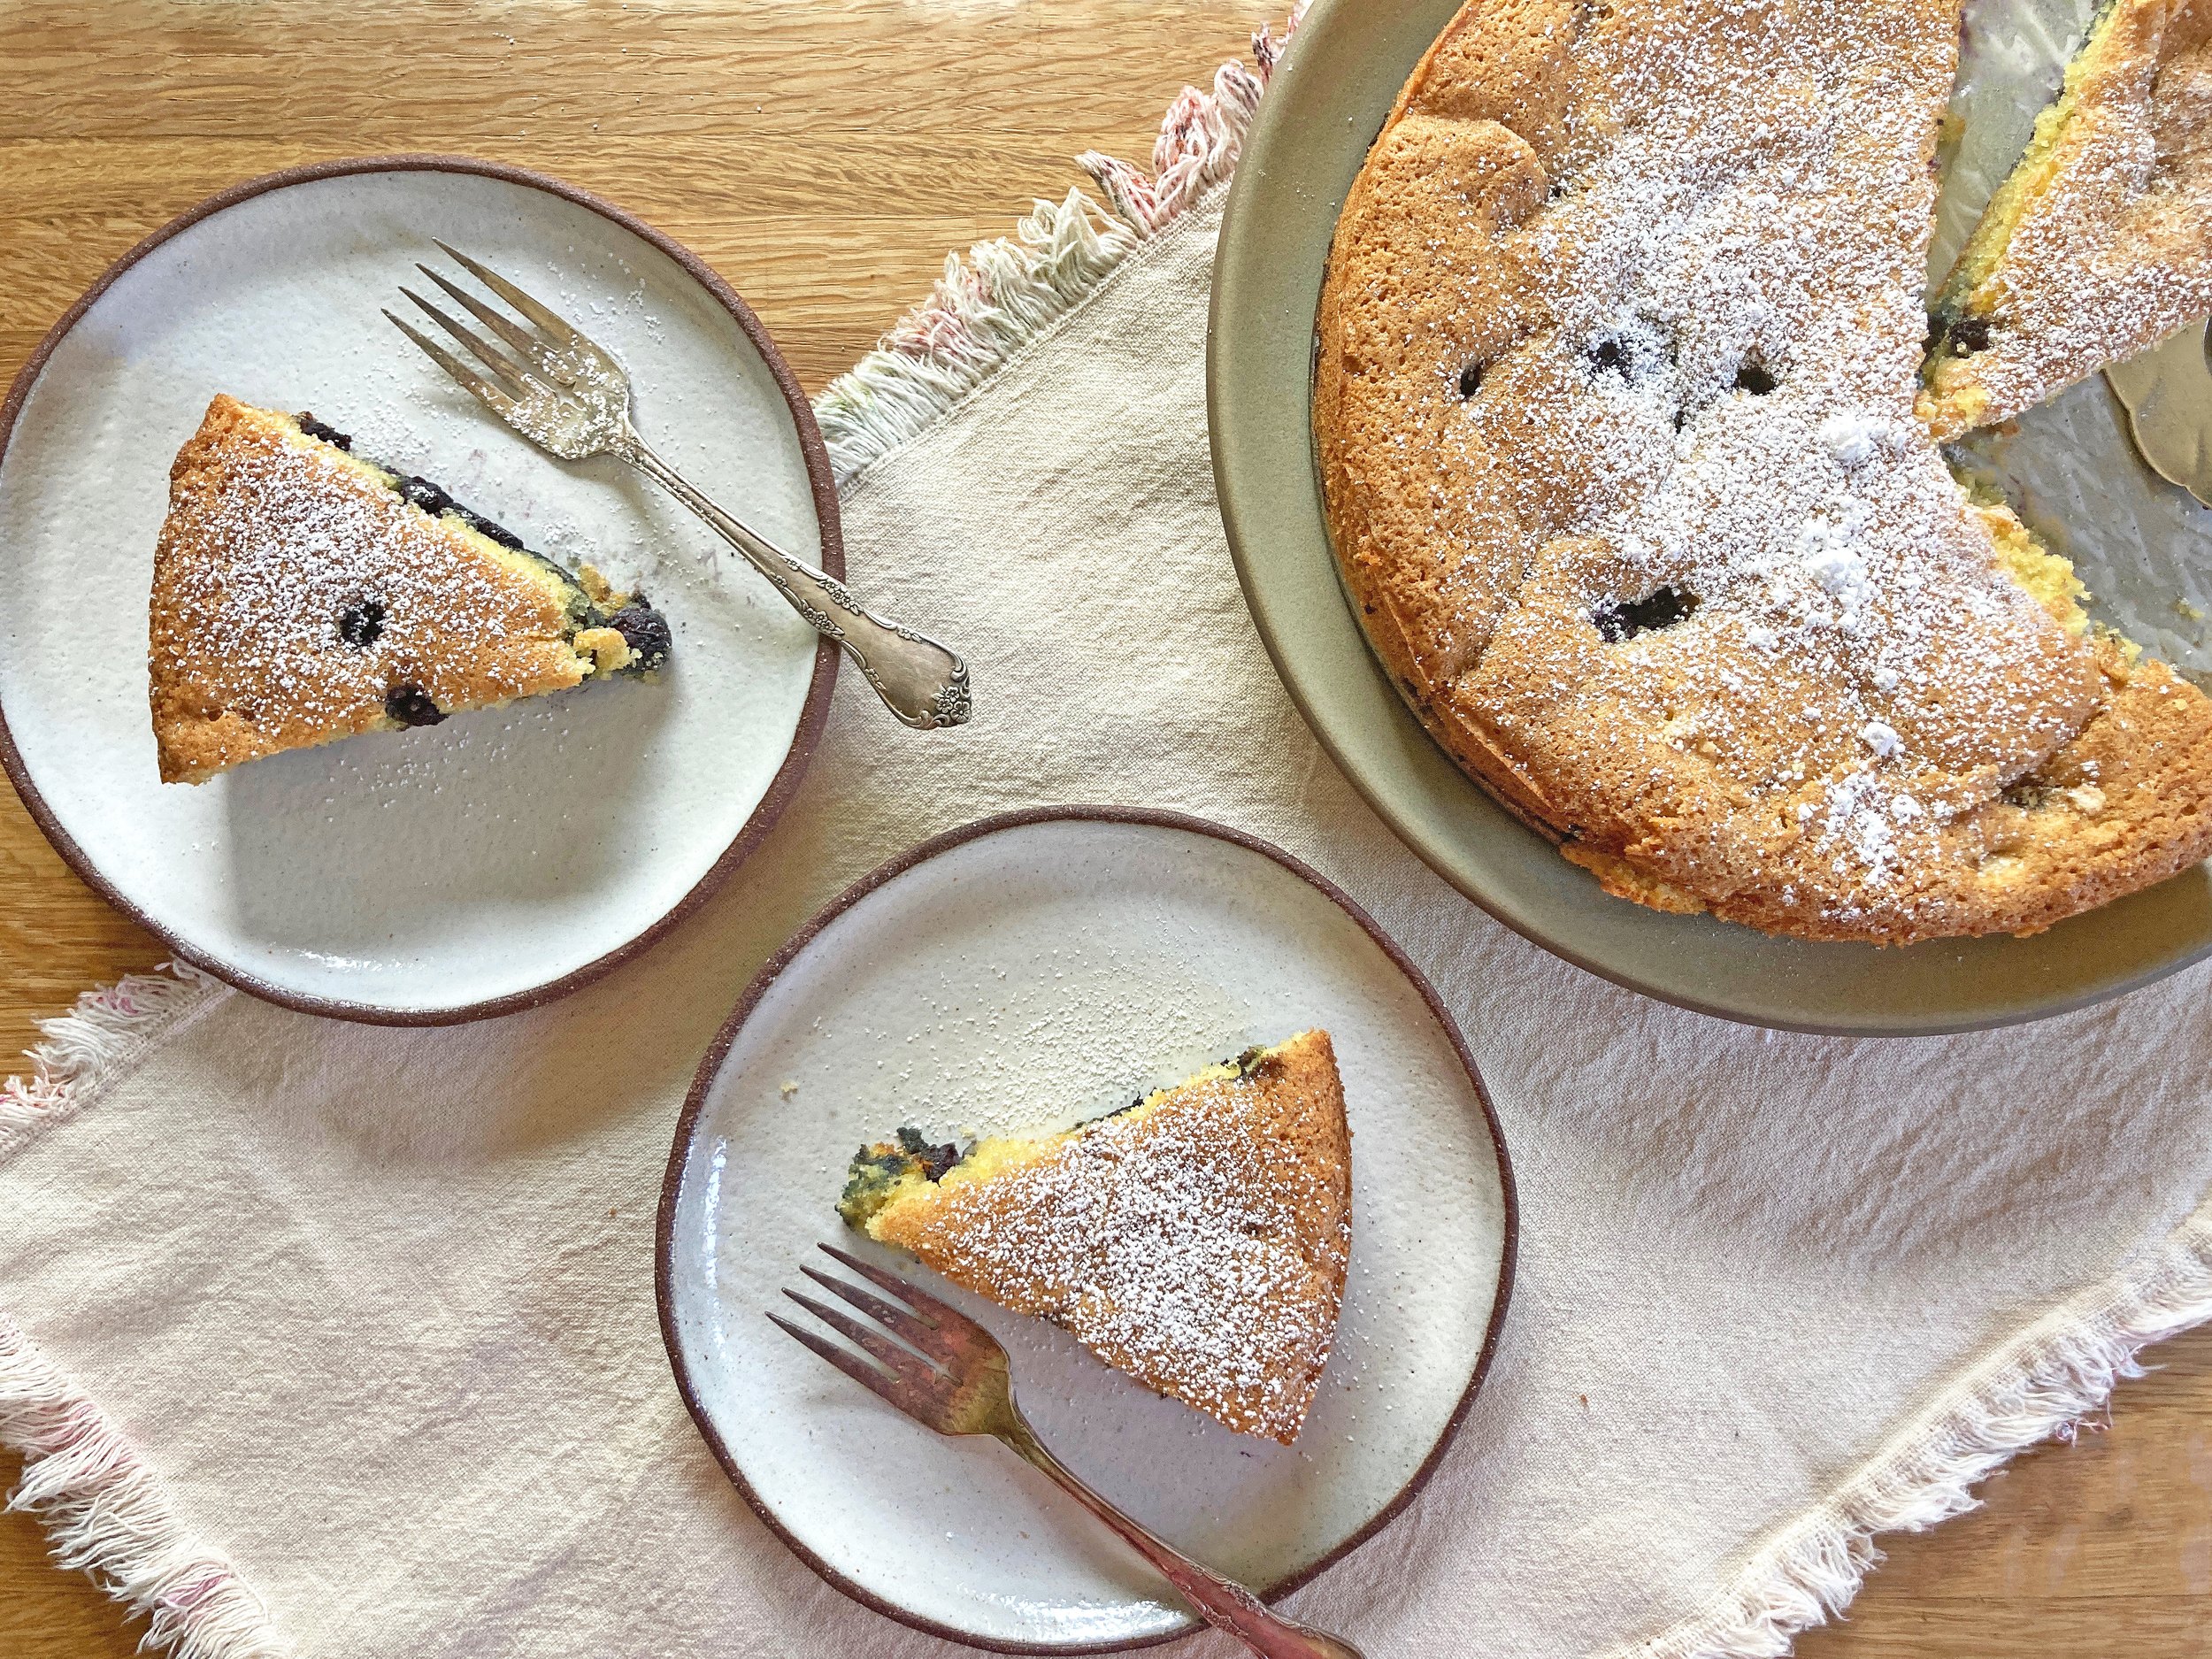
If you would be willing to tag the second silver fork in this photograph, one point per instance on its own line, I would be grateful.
(568, 396)
(949, 1374)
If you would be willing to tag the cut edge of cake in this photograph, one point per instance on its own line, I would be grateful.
(1960, 325)
(1973, 376)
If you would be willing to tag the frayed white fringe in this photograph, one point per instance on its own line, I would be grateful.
(106, 1512)
(83, 1048)
(983, 310)
(2040, 1386)
(103, 1508)
(1008, 291)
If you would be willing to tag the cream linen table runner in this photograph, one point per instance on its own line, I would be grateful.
(327, 1340)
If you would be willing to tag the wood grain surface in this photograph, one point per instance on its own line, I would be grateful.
(824, 155)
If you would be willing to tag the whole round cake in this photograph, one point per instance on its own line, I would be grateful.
(1618, 354)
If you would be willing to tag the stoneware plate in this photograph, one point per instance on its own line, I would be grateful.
(506, 856)
(1327, 102)
(1029, 971)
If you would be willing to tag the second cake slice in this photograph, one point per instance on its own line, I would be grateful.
(2100, 243)
(1197, 1240)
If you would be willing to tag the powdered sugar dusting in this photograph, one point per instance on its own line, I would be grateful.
(1697, 442)
(2109, 248)
(1199, 1244)
(293, 589)
(1775, 240)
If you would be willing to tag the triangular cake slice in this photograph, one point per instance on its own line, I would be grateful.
(1196, 1240)
(302, 594)
(2100, 243)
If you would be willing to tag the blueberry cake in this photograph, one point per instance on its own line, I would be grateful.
(303, 593)
(1619, 351)
(2100, 243)
(1197, 1239)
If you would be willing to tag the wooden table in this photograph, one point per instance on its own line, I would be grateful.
(824, 154)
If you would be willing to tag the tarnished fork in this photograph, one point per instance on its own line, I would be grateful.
(958, 1383)
(570, 397)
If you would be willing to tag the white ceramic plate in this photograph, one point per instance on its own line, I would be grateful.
(507, 855)
(1034, 970)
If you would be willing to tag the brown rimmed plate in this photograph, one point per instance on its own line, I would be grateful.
(507, 856)
(1327, 101)
(1032, 970)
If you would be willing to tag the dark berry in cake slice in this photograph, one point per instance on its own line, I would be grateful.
(303, 593)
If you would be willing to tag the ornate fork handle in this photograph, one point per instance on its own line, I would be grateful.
(570, 397)
(1226, 1606)
(920, 680)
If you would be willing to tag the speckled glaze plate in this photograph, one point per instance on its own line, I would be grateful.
(508, 855)
(1327, 101)
(1030, 972)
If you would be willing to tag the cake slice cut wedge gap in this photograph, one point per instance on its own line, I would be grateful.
(2099, 244)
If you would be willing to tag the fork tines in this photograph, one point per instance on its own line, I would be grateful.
(911, 1372)
(512, 372)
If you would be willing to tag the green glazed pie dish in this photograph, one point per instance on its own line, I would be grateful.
(1328, 100)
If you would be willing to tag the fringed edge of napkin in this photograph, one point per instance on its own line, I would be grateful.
(103, 1508)
(1008, 291)
(2040, 1385)
(80, 1050)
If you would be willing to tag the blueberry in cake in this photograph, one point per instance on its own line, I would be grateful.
(1197, 1239)
(2100, 243)
(1620, 346)
(303, 593)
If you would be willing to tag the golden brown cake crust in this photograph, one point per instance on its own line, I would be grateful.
(2100, 245)
(1619, 345)
(1199, 1242)
(271, 541)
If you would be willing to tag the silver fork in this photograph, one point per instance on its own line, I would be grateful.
(570, 397)
(958, 1384)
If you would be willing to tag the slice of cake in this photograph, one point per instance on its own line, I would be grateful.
(1197, 1239)
(2100, 243)
(302, 593)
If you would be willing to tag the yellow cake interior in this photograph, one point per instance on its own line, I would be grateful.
(893, 1175)
(1970, 291)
